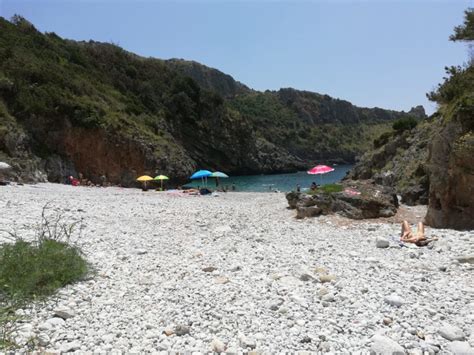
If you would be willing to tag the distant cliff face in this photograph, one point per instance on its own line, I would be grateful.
(68, 107)
(208, 78)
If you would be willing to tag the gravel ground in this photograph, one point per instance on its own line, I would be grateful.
(238, 272)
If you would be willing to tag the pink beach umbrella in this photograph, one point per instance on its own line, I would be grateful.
(320, 170)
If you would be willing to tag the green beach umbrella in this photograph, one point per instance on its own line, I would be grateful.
(217, 175)
(161, 178)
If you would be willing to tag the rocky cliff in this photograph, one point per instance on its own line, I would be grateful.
(398, 159)
(451, 167)
(69, 107)
(434, 162)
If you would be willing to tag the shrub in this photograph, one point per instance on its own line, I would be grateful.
(331, 188)
(382, 139)
(29, 269)
(405, 123)
(327, 189)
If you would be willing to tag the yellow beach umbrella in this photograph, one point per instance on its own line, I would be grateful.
(144, 179)
(161, 177)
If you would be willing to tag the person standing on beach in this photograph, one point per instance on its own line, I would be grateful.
(298, 188)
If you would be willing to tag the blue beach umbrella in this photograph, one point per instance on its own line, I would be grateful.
(201, 174)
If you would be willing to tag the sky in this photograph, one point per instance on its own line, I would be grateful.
(373, 53)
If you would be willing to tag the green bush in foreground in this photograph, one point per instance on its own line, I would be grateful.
(28, 270)
(31, 270)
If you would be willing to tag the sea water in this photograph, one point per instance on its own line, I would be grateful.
(277, 182)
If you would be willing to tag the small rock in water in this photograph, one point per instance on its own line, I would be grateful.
(217, 346)
(382, 243)
(385, 345)
(209, 269)
(451, 332)
(394, 300)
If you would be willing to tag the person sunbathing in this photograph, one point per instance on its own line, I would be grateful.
(418, 238)
(191, 191)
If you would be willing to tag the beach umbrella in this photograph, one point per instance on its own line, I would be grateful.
(320, 170)
(4, 166)
(217, 175)
(161, 178)
(144, 179)
(201, 174)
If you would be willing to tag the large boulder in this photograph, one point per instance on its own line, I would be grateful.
(359, 200)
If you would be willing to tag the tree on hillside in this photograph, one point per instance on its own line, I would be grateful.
(459, 81)
(465, 32)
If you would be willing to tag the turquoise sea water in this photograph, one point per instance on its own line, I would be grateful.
(280, 182)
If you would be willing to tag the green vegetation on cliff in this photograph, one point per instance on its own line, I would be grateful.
(60, 98)
(451, 151)
(432, 161)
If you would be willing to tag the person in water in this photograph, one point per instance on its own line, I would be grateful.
(298, 188)
(417, 238)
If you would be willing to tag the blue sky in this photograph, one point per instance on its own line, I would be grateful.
(373, 53)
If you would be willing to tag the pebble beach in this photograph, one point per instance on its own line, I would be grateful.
(237, 273)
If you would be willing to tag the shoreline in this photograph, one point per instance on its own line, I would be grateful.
(268, 291)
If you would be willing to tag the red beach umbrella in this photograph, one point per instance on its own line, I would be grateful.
(320, 170)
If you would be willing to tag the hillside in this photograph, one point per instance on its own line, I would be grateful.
(69, 107)
(433, 163)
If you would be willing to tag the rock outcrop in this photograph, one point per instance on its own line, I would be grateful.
(359, 200)
(398, 160)
(451, 174)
